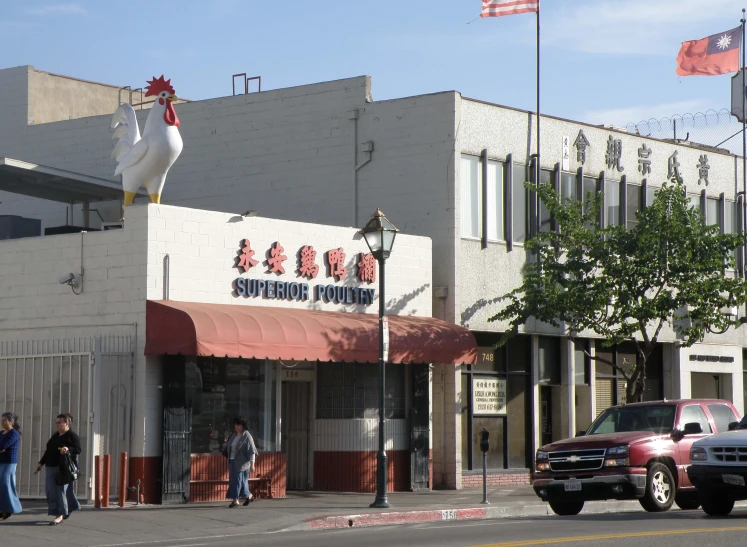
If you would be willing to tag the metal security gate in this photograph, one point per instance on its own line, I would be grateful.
(295, 433)
(38, 381)
(114, 367)
(177, 442)
(420, 429)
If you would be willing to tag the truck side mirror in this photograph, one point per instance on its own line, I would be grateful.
(580, 433)
(733, 425)
(693, 428)
(484, 444)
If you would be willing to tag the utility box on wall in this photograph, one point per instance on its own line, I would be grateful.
(15, 227)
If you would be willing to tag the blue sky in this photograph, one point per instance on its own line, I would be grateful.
(604, 61)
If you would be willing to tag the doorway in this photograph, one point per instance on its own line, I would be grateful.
(707, 385)
(294, 433)
(545, 397)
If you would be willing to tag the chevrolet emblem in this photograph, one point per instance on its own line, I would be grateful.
(573, 459)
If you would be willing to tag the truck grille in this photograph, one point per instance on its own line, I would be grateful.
(729, 453)
(578, 460)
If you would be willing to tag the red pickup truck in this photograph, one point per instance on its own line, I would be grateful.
(637, 451)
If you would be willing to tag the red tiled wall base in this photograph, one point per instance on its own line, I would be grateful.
(149, 471)
(496, 479)
(356, 471)
(209, 475)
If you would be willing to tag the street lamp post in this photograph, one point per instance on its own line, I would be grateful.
(379, 234)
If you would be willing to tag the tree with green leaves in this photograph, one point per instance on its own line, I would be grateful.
(625, 284)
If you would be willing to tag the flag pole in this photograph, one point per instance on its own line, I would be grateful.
(744, 148)
(538, 165)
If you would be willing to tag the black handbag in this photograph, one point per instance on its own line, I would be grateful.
(67, 471)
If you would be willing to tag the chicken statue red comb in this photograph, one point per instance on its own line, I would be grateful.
(156, 85)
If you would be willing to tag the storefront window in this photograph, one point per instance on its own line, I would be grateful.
(348, 391)
(218, 390)
(506, 369)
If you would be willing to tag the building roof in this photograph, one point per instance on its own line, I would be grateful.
(40, 181)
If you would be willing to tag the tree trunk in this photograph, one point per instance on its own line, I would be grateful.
(637, 383)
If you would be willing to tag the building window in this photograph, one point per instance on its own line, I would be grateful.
(610, 383)
(347, 391)
(495, 201)
(218, 390)
(632, 205)
(694, 202)
(713, 212)
(471, 176)
(568, 186)
(650, 195)
(471, 197)
(611, 203)
(731, 223)
(509, 433)
(519, 209)
(546, 177)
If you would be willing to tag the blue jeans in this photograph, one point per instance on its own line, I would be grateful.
(238, 487)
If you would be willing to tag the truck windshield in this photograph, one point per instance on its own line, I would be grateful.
(654, 418)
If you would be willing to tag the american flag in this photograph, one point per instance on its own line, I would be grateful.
(496, 8)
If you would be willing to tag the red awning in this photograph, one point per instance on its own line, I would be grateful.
(192, 328)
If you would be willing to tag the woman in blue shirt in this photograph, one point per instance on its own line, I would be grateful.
(10, 439)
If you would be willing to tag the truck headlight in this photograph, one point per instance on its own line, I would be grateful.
(543, 461)
(698, 454)
(617, 451)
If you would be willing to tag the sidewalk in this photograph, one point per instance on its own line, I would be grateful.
(159, 525)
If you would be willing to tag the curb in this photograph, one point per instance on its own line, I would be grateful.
(437, 515)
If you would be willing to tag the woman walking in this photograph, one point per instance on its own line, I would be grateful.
(241, 453)
(61, 500)
(10, 439)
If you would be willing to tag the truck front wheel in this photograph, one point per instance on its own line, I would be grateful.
(566, 508)
(660, 489)
(716, 506)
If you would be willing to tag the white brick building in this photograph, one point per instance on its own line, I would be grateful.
(329, 154)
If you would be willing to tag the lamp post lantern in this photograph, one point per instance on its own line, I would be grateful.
(379, 234)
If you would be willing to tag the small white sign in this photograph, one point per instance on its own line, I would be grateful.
(488, 396)
(385, 323)
(566, 153)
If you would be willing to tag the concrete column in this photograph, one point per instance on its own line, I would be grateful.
(567, 390)
(534, 392)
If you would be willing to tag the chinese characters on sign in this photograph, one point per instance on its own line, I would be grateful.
(581, 143)
(308, 267)
(644, 160)
(673, 166)
(367, 267)
(489, 396)
(613, 156)
(566, 162)
(703, 168)
(275, 262)
(245, 257)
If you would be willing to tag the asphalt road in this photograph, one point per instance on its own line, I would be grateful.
(618, 530)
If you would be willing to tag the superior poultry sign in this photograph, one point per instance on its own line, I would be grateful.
(364, 267)
(489, 396)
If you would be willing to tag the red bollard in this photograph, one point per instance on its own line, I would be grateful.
(97, 482)
(105, 481)
(122, 478)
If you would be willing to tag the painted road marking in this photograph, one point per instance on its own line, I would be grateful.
(526, 543)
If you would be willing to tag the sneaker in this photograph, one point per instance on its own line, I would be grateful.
(233, 504)
(248, 501)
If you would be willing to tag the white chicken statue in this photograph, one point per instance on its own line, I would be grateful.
(146, 161)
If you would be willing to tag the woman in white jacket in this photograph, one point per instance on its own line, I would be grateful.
(241, 453)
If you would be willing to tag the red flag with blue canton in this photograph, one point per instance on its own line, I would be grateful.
(711, 56)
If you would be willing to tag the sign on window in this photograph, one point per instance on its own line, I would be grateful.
(489, 396)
